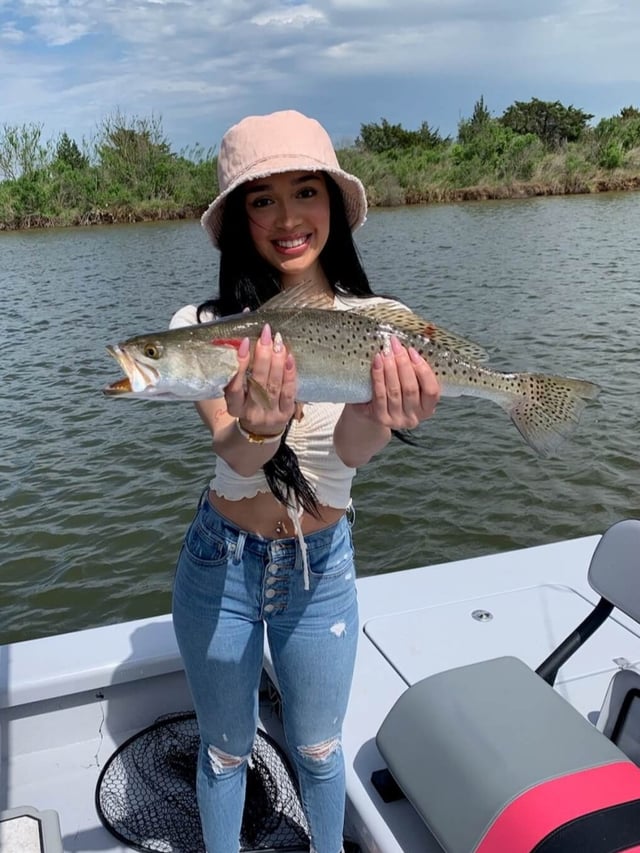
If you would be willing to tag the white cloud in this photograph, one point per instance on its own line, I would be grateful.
(11, 34)
(360, 5)
(290, 16)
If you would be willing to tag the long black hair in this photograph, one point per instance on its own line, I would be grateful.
(246, 280)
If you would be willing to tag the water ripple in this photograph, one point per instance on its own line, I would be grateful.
(96, 493)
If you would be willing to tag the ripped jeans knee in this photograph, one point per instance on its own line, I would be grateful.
(320, 759)
(220, 763)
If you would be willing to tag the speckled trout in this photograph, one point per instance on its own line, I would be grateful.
(333, 351)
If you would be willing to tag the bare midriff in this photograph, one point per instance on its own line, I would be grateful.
(266, 516)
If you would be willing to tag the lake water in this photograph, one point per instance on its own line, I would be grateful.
(95, 493)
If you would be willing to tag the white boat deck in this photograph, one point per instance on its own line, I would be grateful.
(72, 699)
(68, 701)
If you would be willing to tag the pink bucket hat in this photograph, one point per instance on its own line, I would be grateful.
(285, 141)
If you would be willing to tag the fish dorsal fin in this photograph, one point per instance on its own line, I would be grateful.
(306, 295)
(303, 295)
(396, 315)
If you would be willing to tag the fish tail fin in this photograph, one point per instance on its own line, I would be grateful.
(548, 411)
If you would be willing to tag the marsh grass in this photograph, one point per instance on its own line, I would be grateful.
(128, 173)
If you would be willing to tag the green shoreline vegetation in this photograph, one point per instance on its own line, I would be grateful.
(128, 172)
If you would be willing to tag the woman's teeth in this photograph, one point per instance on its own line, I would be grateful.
(291, 244)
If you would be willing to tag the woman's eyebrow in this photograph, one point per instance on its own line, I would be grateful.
(258, 188)
(310, 176)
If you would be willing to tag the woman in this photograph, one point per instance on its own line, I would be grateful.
(271, 542)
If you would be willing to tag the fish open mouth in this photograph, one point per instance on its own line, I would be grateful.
(122, 386)
(138, 378)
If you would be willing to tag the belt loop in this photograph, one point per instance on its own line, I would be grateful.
(242, 538)
(203, 496)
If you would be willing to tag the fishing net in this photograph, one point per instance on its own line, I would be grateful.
(146, 793)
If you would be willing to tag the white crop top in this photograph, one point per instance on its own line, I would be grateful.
(311, 438)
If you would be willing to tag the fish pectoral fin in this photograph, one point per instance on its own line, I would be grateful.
(258, 392)
(404, 320)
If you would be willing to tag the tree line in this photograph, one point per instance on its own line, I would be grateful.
(128, 171)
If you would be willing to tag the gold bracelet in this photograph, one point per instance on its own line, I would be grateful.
(257, 438)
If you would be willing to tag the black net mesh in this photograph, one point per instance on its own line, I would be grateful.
(146, 793)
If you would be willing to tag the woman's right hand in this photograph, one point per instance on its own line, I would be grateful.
(272, 373)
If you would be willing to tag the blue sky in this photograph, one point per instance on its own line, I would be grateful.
(200, 65)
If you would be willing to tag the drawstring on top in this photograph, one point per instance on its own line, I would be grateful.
(295, 512)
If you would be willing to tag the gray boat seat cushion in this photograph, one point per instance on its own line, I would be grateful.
(465, 743)
(614, 571)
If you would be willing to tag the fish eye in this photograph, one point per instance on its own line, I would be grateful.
(152, 351)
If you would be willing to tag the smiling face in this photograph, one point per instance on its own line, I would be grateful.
(289, 222)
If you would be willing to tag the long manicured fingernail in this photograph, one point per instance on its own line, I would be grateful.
(244, 347)
(414, 355)
(265, 335)
(396, 346)
(277, 342)
(377, 361)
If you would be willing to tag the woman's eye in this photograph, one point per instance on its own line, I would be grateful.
(307, 192)
(261, 202)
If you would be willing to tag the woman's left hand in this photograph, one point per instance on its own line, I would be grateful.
(405, 389)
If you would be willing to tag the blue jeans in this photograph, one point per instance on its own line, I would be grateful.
(229, 584)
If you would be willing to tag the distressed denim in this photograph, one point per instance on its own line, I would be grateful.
(229, 585)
